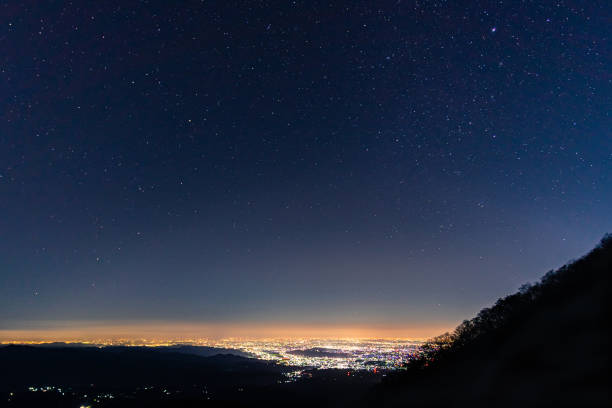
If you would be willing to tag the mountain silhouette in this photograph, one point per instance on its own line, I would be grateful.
(127, 367)
(546, 345)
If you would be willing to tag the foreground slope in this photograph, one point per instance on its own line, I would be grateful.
(547, 345)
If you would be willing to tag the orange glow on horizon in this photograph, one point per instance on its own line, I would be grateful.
(87, 331)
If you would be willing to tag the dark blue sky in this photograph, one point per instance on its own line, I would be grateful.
(296, 162)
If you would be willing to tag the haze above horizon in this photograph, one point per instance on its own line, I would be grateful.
(294, 167)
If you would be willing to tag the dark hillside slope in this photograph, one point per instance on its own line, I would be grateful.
(547, 345)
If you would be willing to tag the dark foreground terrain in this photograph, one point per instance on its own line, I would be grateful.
(68, 376)
(546, 345)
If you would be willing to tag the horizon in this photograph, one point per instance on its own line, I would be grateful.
(305, 203)
(139, 332)
(299, 168)
(173, 331)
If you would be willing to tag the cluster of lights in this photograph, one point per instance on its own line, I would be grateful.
(300, 356)
(47, 388)
(352, 354)
(293, 376)
(60, 390)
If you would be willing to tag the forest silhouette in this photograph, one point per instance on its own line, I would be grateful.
(546, 345)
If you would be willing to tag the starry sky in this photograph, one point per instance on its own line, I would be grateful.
(390, 163)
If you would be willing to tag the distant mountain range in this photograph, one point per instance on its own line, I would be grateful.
(128, 366)
(203, 351)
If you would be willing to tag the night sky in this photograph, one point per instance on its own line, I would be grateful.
(368, 164)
